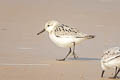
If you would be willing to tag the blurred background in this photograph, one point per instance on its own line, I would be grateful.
(20, 20)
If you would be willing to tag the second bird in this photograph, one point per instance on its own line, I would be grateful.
(65, 36)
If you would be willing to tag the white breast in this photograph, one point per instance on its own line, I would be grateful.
(111, 64)
(64, 42)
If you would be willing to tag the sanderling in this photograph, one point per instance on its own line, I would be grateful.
(111, 59)
(65, 36)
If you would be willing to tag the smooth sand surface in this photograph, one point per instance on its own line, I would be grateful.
(53, 70)
(26, 56)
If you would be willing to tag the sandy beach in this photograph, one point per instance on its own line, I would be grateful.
(53, 70)
(26, 56)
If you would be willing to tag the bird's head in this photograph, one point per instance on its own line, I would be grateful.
(49, 26)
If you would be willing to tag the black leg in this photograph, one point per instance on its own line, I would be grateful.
(102, 73)
(65, 56)
(115, 70)
(116, 73)
(75, 57)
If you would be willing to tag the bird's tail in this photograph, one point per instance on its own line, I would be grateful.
(90, 36)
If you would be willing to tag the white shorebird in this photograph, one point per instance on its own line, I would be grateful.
(111, 59)
(65, 36)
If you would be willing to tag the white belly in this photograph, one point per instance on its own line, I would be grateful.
(65, 42)
(114, 63)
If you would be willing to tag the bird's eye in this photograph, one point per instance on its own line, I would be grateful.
(48, 25)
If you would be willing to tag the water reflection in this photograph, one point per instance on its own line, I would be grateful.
(86, 59)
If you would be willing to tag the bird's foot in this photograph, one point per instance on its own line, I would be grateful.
(76, 57)
(115, 77)
(61, 59)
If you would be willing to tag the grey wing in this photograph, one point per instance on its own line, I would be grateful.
(68, 32)
(113, 51)
(111, 54)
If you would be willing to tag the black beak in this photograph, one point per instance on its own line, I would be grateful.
(41, 32)
(102, 73)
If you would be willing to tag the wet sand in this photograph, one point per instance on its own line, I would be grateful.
(53, 70)
(26, 56)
